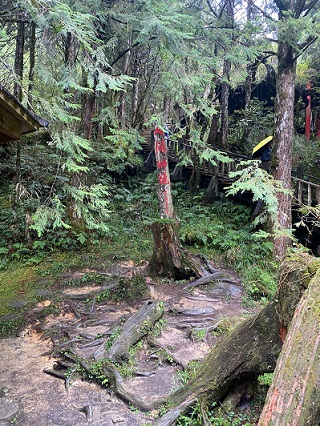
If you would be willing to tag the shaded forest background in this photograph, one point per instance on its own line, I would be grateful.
(104, 72)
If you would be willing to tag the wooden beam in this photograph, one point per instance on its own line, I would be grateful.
(10, 125)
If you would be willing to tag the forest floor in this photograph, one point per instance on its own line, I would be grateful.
(74, 308)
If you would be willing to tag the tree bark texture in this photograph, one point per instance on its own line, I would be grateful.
(18, 68)
(164, 186)
(32, 52)
(296, 272)
(167, 256)
(248, 351)
(18, 62)
(135, 90)
(225, 91)
(294, 396)
(284, 113)
(251, 349)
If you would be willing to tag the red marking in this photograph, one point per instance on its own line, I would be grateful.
(161, 163)
(308, 114)
(282, 333)
(158, 131)
(163, 178)
(160, 146)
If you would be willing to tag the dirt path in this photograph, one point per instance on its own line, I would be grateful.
(193, 322)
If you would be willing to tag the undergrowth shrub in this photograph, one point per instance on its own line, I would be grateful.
(224, 231)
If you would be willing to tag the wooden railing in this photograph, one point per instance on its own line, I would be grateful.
(184, 148)
(306, 190)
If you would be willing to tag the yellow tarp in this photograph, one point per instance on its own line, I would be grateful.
(262, 144)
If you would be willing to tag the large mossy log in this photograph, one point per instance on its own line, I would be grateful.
(294, 396)
(253, 347)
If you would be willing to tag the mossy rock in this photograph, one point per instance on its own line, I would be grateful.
(11, 324)
(133, 288)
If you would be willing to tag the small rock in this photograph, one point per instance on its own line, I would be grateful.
(9, 317)
(18, 303)
(226, 289)
(8, 409)
(43, 293)
(88, 411)
(118, 419)
(3, 392)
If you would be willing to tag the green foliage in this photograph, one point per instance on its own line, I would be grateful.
(119, 154)
(248, 127)
(263, 187)
(200, 414)
(189, 372)
(9, 327)
(265, 379)
(223, 230)
(97, 371)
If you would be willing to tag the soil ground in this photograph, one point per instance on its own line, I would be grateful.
(193, 322)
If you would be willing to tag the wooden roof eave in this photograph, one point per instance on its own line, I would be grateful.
(15, 120)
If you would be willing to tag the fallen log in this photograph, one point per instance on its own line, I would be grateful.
(293, 398)
(249, 350)
(137, 326)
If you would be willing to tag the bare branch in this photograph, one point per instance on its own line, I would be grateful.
(305, 46)
(211, 9)
(265, 14)
(309, 7)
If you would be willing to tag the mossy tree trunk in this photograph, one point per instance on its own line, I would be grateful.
(254, 346)
(294, 396)
(289, 50)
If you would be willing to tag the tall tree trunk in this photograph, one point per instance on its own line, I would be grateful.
(122, 95)
(32, 51)
(18, 68)
(135, 91)
(284, 112)
(213, 131)
(18, 62)
(167, 259)
(225, 85)
(225, 91)
(88, 106)
(67, 56)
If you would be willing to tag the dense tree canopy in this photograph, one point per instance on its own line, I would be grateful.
(100, 72)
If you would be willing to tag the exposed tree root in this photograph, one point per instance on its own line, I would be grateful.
(137, 326)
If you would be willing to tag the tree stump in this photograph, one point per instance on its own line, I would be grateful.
(168, 259)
